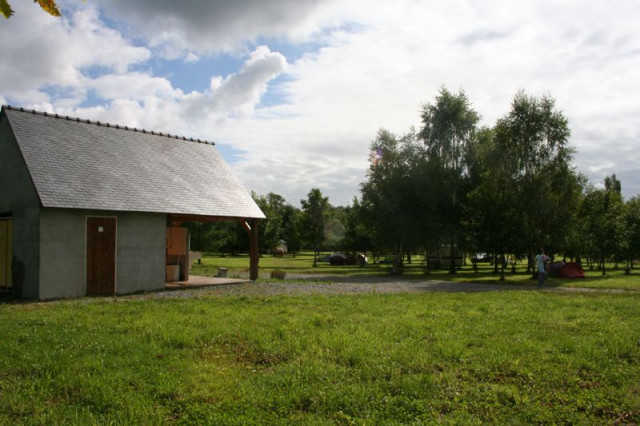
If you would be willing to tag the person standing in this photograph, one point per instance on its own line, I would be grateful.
(541, 261)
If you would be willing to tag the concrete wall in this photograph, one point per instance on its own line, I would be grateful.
(18, 198)
(140, 251)
(62, 253)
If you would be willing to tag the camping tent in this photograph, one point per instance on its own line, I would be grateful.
(566, 270)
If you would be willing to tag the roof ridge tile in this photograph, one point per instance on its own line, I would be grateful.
(107, 124)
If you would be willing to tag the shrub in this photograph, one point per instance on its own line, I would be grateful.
(279, 274)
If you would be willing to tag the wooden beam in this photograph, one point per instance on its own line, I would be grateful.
(245, 225)
(182, 218)
(254, 252)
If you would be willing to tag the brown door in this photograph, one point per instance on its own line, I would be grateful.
(101, 255)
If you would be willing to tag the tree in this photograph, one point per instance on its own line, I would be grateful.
(394, 200)
(272, 205)
(574, 242)
(448, 132)
(335, 228)
(632, 231)
(291, 228)
(491, 216)
(282, 222)
(603, 223)
(314, 215)
(533, 137)
(614, 209)
(198, 232)
(222, 237)
(358, 229)
(48, 6)
(612, 184)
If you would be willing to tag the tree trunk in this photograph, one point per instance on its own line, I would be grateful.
(452, 259)
(396, 268)
(533, 269)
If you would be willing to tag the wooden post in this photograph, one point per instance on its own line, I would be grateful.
(254, 252)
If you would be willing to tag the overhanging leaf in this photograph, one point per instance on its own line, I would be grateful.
(5, 9)
(48, 6)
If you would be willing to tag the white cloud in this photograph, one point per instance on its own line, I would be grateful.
(93, 44)
(601, 166)
(191, 57)
(379, 63)
(381, 74)
(40, 51)
(207, 26)
(238, 93)
(134, 85)
(142, 100)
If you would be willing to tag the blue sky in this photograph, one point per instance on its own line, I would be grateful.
(294, 91)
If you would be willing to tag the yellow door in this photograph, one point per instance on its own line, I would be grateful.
(6, 242)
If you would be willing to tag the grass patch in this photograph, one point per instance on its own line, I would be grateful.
(497, 357)
(302, 263)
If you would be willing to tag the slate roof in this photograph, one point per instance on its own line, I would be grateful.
(84, 164)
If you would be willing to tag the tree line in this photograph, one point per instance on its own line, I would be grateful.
(453, 188)
(508, 190)
(316, 225)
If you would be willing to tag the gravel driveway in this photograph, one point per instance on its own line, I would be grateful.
(336, 285)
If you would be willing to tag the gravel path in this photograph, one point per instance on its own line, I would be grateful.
(337, 285)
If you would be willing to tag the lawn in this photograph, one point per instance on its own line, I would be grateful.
(496, 357)
(302, 263)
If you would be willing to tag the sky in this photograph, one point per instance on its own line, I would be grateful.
(293, 92)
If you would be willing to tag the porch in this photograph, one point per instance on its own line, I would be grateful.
(196, 281)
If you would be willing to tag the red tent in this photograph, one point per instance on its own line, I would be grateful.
(571, 270)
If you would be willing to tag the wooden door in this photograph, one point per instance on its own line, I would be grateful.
(101, 255)
(6, 244)
(177, 241)
(178, 251)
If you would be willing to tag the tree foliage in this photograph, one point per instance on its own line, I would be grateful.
(449, 127)
(358, 235)
(532, 141)
(315, 210)
(493, 224)
(272, 205)
(632, 231)
(48, 6)
(602, 218)
(508, 189)
(449, 135)
(394, 197)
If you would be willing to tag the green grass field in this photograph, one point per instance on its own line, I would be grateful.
(523, 357)
(302, 263)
